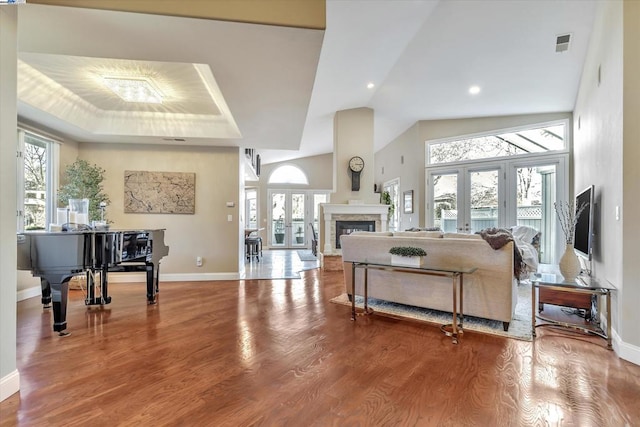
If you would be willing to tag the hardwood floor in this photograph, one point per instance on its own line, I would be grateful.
(277, 352)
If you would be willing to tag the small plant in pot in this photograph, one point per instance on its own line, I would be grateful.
(278, 231)
(409, 256)
(299, 235)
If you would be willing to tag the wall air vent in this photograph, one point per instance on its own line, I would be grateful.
(562, 42)
(174, 139)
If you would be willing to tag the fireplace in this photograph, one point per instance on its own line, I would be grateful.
(354, 216)
(348, 227)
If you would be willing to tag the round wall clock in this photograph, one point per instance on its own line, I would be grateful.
(356, 164)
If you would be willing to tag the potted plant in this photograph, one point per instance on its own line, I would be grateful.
(408, 256)
(385, 199)
(82, 180)
(299, 235)
(278, 230)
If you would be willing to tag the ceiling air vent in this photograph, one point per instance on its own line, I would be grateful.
(562, 42)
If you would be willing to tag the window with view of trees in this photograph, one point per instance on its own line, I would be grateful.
(503, 179)
(538, 140)
(36, 189)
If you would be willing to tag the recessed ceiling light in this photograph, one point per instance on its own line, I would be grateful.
(474, 90)
(370, 85)
(134, 89)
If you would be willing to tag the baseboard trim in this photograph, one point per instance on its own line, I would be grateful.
(626, 351)
(9, 385)
(34, 291)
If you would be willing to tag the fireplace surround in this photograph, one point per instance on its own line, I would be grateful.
(332, 213)
(348, 227)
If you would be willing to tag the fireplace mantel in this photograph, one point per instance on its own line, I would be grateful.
(355, 211)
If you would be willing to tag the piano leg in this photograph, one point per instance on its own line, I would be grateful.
(151, 284)
(46, 293)
(59, 294)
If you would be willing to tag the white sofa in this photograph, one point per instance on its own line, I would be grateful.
(490, 292)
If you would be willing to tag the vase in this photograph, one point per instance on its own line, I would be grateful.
(569, 264)
(407, 261)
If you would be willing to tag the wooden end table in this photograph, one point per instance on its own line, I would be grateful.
(581, 285)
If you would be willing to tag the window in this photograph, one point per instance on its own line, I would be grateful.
(37, 171)
(288, 174)
(251, 206)
(539, 139)
(468, 192)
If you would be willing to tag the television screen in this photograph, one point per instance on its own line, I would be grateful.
(583, 237)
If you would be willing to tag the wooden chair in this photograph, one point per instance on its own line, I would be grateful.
(314, 240)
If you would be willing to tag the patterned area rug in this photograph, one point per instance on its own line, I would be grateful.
(520, 327)
(306, 256)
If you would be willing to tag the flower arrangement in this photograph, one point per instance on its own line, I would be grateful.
(408, 251)
(568, 217)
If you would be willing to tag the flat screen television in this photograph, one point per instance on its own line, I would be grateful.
(583, 235)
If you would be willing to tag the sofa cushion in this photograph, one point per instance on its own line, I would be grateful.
(372, 233)
(461, 236)
(432, 234)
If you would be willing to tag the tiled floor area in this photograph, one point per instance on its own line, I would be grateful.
(278, 264)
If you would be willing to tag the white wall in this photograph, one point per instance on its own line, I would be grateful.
(9, 376)
(353, 136)
(606, 154)
(629, 314)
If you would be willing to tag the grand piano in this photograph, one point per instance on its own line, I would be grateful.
(56, 257)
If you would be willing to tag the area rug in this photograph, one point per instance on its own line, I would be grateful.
(520, 327)
(307, 256)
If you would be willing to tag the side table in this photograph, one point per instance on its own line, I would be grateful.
(456, 273)
(581, 285)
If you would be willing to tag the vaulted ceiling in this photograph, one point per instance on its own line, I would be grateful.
(276, 88)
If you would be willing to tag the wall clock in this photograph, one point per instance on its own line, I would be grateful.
(356, 164)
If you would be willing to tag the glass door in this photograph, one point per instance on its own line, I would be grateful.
(483, 201)
(393, 188)
(472, 197)
(536, 186)
(288, 219)
(466, 199)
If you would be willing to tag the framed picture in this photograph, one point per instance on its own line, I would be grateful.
(407, 198)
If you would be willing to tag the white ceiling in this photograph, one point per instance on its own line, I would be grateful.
(282, 86)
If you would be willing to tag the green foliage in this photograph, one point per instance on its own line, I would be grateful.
(407, 251)
(279, 226)
(385, 199)
(83, 181)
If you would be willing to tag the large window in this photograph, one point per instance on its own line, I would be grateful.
(502, 179)
(541, 139)
(37, 171)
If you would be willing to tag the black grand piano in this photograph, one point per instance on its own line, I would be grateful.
(56, 257)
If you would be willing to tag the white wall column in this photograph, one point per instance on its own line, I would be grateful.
(9, 376)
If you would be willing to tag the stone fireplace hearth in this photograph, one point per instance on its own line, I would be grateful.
(376, 214)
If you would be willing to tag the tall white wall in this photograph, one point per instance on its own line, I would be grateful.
(630, 315)
(353, 136)
(9, 376)
(606, 154)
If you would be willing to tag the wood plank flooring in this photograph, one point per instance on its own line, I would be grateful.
(278, 353)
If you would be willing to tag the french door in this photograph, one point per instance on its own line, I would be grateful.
(290, 215)
(466, 199)
(471, 197)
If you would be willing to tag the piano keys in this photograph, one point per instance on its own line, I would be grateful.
(56, 257)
